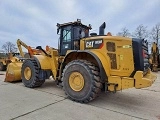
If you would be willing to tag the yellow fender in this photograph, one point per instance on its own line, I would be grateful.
(102, 61)
(47, 63)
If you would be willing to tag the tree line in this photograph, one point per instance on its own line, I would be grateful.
(9, 47)
(142, 32)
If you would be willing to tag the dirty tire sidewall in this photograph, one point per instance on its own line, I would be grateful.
(29, 83)
(87, 89)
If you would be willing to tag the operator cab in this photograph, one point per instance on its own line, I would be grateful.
(70, 35)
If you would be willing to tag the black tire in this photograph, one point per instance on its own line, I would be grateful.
(33, 81)
(2, 67)
(92, 81)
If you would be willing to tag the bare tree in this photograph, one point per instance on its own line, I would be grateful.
(141, 32)
(155, 33)
(124, 32)
(9, 47)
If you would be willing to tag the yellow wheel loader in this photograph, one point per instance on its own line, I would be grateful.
(10, 57)
(155, 58)
(83, 64)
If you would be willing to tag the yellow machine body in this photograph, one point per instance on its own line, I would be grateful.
(117, 61)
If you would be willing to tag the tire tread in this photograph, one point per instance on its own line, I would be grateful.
(96, 81)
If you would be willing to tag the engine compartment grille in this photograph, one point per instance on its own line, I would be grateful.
(141, 55)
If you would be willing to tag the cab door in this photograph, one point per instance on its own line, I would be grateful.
(65, 42)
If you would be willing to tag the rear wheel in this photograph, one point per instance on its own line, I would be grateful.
(81, 81)
(30, 73)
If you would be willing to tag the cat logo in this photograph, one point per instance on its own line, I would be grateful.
(89, 44)
(94, 44)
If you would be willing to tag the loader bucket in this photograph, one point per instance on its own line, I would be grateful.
(13, 72)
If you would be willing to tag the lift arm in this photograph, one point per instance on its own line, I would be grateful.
(20, 44)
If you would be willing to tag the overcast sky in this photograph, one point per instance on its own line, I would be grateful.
(34, 21)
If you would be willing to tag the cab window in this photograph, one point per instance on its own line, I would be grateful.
(66, 35)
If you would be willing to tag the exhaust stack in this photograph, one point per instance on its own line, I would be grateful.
(101, 29)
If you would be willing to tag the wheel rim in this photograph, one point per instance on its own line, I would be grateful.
(27, 73)
(76, 81)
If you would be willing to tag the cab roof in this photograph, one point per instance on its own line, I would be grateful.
(75, 23)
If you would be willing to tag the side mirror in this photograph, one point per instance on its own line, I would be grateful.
(58, 25)
(57, 31)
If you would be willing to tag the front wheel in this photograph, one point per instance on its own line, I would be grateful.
(81, 81)
(30, 74)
